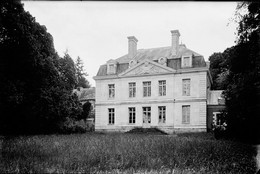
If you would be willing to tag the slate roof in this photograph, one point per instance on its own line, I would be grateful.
(85, 93)
(154, 54)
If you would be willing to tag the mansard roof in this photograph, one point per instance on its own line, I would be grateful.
(154, 54)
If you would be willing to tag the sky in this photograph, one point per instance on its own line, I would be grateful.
(97, 31)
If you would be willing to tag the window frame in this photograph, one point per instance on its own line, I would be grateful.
(186, 114)
(161, 114)
(132, 89)
(111, 91)
(132, 115)
(186, 87)
(111, 116)
(162, 87)
(186, 61)
(147, 89)
(147, 112)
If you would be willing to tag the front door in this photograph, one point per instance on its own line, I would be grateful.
(146, 117)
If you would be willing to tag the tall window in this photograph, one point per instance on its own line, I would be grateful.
(146, 114)
(162, 114)
(132, 89)
(147, 89)
(131, 115)
(111, 115)
(111, 90)
(186, 87)
(186, 114)
(162, 87)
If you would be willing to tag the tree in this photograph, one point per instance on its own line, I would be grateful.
(80, 73)
(67, 71)
(35, 85)
(242, 93)
(86, 110)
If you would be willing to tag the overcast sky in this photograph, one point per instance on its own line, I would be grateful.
(97, 31)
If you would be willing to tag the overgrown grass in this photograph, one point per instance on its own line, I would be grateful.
(127, 153)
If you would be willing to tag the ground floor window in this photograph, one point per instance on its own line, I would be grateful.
(131, 115)
(146, 114)
(162, 114)
(111, 115)
(186, 114)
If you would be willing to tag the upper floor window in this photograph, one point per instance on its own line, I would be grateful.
(111, 90)
(162, 87)
(146, 89)
(187, 61)
(111, 115)
(162, 114)
(186, 114)
(111, 68)
(131, 115)
(186, 87)
(132, 89)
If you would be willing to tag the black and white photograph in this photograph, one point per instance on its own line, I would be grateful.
(144, 87)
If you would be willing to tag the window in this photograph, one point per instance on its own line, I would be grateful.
(186, 87)
(132, 89)
(186, 114)
(162, 114)
(162, 87)
(111, 69)
(147, 89)
(111, 115)
(186, 61)
(146, 114)
(131, 115)
(111, 90)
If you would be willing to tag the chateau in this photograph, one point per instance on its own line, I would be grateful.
(165, 87)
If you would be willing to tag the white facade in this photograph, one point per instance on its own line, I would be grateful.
(180, 105)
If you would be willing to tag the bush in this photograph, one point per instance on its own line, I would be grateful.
(220, 131)
(76, 126)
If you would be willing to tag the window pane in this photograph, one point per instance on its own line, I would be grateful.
(111, 90)
(185, 114)
(186, 87)
(162, 88)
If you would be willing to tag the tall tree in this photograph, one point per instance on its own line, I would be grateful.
(81, 74)
(243, 90)
(33, 97)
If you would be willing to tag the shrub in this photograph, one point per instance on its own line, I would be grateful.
(76, 126)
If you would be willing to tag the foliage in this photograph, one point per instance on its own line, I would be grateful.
(67, 72)
(80, 74)
(242, 92)
(36, 84)
(86, 110)
(76, 126)
(125, 153)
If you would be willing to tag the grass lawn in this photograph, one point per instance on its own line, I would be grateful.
(125, 153)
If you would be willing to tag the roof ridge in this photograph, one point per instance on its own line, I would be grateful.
(153, 48)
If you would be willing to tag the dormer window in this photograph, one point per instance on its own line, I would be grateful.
(186, 61)
(162, 61)
(111, 67)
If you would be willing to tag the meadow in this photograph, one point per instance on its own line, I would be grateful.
(124, 153)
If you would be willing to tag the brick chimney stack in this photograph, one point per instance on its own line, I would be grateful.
(132, 46)
(175, 42)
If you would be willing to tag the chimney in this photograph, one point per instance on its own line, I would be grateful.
(175, 42)
(207, 64)
(132, 46)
